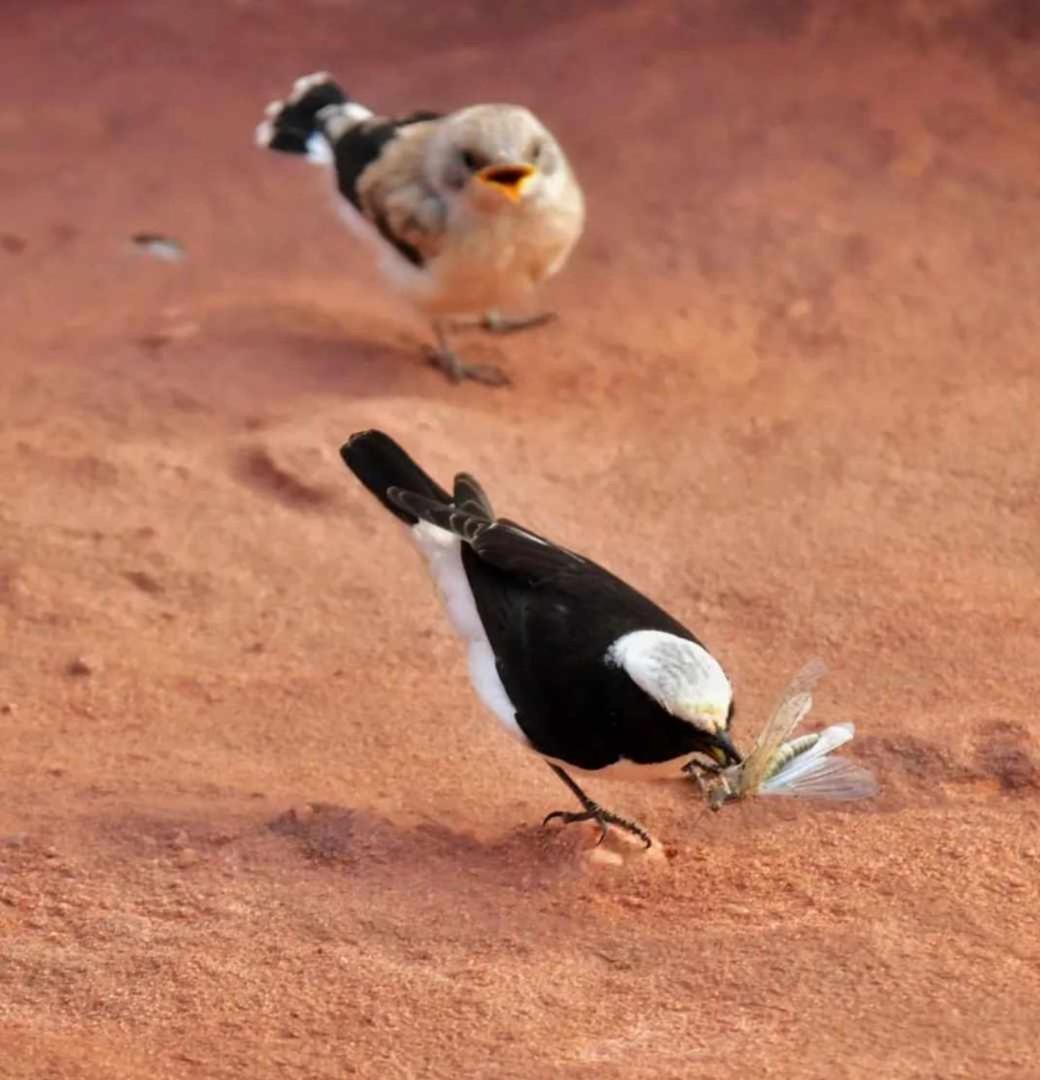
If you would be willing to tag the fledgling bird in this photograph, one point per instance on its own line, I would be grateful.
(579, 667)
(469, 210)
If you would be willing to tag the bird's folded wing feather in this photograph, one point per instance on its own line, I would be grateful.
(380, 170)
(502, 543)
(517, 550)
(461, 522)
(468, 495)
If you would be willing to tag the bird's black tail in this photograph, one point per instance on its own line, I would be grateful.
(291, 124)
(380, 464)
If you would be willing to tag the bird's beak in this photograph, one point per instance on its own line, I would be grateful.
(723, 750)
(509, 180)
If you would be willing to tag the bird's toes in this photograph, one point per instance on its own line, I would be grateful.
(603, 819)
(625, 825)
(496, 323)
(568, 817)
(487, 374)
(449, 363)
(446, 362)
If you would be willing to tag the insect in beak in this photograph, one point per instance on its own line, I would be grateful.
(510, 180)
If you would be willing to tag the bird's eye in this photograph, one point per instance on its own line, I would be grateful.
(471, 160)
(535, 151)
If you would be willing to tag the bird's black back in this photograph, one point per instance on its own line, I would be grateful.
(550, 636)
(355, 150)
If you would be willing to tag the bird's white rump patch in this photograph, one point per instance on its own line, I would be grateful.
(318, 150)
(443, 552)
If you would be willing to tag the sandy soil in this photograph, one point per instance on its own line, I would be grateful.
(254, 824)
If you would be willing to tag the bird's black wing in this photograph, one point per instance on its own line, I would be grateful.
(550, 617)
(501, 543)
(357, 148)
(511, 548)
(362, 143)
(445, 515)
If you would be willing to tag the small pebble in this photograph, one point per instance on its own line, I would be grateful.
(161, 247)
(80, 666)
(144, 581)
(601, 856)
(187, 857)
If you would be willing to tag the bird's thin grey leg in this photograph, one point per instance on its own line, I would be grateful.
(444, 358)
(497, 323)
(593, 812)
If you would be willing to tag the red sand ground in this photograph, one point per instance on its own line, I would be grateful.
(794, 396)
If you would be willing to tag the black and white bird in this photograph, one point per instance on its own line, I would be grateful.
(469, 211)
(579, 667)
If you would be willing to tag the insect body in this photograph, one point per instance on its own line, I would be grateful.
(789, 751)
(802, 766)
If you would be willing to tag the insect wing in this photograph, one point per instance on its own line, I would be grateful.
(792, 708)
(830, 739)
(826, 778)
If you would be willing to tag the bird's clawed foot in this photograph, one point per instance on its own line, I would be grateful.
(603, 818)
(448, 361)
(444, 358)
(592, 811)
(496, 323)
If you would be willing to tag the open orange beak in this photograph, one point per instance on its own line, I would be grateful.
(510, 180)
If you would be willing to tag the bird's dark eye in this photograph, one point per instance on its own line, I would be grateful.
(535, 152)
(472, 161)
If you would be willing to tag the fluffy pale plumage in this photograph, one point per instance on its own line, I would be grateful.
(470, 210)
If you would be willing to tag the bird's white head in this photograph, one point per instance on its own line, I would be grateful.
(498, 157)
(683, 678)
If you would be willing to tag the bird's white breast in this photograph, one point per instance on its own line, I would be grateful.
(484, 262)
(492, 261)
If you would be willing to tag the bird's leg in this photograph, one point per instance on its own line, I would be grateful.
(497, 323)
(444, 358)
(593, 812)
